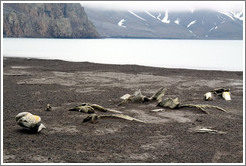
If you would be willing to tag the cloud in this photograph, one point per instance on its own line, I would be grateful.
(165, 5)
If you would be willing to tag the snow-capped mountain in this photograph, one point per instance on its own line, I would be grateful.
(195, 24)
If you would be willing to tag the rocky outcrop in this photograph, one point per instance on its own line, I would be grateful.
(48, 20)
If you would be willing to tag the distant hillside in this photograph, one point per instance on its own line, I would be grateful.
(200, 24)
(49, 20)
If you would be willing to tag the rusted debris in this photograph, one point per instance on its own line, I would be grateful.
(224, 93)
(138, 97)
(203, 107)
(83, 108)
(90, 108)
(170, 103)
(220, 91)
(175, 104)
(159, 94)
(95, 117)
(135, 97)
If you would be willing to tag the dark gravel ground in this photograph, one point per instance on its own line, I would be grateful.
(166, 137)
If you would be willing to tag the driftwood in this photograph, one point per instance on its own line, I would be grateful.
(90, 108)
(95, 117)
(138, 97)
(175, 104)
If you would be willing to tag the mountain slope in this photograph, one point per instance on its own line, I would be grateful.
(201, 24)
(58, 20)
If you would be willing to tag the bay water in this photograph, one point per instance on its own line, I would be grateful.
(225, 55)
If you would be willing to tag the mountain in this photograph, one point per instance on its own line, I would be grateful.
(49, 20)
(200, 24)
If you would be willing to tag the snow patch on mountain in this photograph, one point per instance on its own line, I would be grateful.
(158, 17)
(165, 19)
(192, 33)
(150, 14)
(169, 24)
(136, 15)
(191, 23)
(177, 21)
(213, 28)
(229, 14)
(120, 23)
(238, 15)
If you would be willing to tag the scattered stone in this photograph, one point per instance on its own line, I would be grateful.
(48, 107)
(29, 121)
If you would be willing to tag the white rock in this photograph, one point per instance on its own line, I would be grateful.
(30, 121)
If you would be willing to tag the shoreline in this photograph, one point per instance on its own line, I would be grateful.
(165, 137)
(173, 68)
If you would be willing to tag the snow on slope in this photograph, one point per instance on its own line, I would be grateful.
(233, 15)
(177, 21)
(120, 23)
(213, 28)
(158, 17)
(165, 19)
(150, 14)
(191, 23)
(228, 14)
(136, 15)
(238, 15)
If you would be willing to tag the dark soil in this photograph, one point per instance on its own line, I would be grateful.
(166, 137)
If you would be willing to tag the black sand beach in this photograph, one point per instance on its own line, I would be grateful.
(166, 137)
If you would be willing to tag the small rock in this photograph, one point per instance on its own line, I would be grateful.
(48, 107)
(198, 120)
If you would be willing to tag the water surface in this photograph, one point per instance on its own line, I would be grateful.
(192, 54)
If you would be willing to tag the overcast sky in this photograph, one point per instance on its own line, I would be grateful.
(166, 5)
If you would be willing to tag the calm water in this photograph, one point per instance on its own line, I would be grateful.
(193, 54)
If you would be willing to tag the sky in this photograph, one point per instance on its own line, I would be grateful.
(167, 5)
